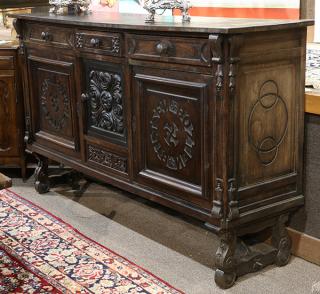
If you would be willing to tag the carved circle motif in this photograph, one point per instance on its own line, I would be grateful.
(269, 106)
(172, 135)
(55, 103)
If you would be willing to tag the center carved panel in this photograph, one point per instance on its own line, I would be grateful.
(268, 122)
(106, 101)
(172, 134)
(55, 103)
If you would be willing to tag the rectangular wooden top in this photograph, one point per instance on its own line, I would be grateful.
(209, 25)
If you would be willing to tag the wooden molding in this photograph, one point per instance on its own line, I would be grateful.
(312, 102)
(305, 246)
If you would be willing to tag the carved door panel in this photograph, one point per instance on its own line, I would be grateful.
(9, 137)
(172, 152)
(105, 124)
(53, 105)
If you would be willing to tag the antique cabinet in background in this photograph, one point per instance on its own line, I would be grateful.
(11, 111)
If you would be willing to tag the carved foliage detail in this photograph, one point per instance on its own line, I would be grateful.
(172, 134)
(55, 103)
(217, 53)
(217, 209)
(107, 159)
(79, 40)
(268, 122)
(116, 45)
(105, 98)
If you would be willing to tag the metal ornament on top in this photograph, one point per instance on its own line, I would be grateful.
(153, 5)
(72, 6)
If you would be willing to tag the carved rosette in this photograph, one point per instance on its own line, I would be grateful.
(107, 159)
(106, 103)
(55, 103)
(172, 134)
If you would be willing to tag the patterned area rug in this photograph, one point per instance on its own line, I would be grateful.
(313, 67)
(41, 254)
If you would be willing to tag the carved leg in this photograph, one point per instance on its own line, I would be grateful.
(225, 274)
(41, 175)
(281, 241)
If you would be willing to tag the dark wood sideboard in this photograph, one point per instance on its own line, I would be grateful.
(11, 110)
(206, 118)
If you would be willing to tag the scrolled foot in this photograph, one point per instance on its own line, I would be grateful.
(282, 241)
(42, 184)
(41, 188)
(225, 274)
(284, 252)
(224, 280)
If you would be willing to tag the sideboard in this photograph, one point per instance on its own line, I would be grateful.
(206, 118)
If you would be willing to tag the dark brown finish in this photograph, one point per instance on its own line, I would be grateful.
(11, 111)
(209, 124)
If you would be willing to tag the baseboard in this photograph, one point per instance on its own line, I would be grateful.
(305, 246)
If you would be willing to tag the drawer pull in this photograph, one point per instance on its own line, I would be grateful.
(84, 98)
(46, 36)
(95, 42)
(163, 47)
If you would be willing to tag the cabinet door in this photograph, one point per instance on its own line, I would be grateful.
(173, 152)
(9, 136)
(53, 104)
(104, 116)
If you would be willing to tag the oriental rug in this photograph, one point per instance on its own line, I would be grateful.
(40, 253)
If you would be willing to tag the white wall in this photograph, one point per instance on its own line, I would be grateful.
(317, 25)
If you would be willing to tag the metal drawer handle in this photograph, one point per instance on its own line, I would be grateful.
(95, 42)
(84, 98)
(46, 36)
(163, 48)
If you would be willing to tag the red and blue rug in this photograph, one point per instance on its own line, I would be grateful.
(39, 253)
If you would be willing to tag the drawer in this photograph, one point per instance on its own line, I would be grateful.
(169, 49)
(6, 62)
(107, 43)
(60, 36)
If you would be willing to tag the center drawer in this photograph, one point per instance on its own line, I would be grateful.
(190, 51)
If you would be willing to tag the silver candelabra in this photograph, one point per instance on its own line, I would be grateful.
(153, 5)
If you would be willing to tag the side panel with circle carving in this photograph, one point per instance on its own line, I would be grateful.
(267, 124)
(172, 119)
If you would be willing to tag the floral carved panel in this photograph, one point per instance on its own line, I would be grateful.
(106, 101)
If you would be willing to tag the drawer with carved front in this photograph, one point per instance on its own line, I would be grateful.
(107, 43)
(190, 51)
(46, 34)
